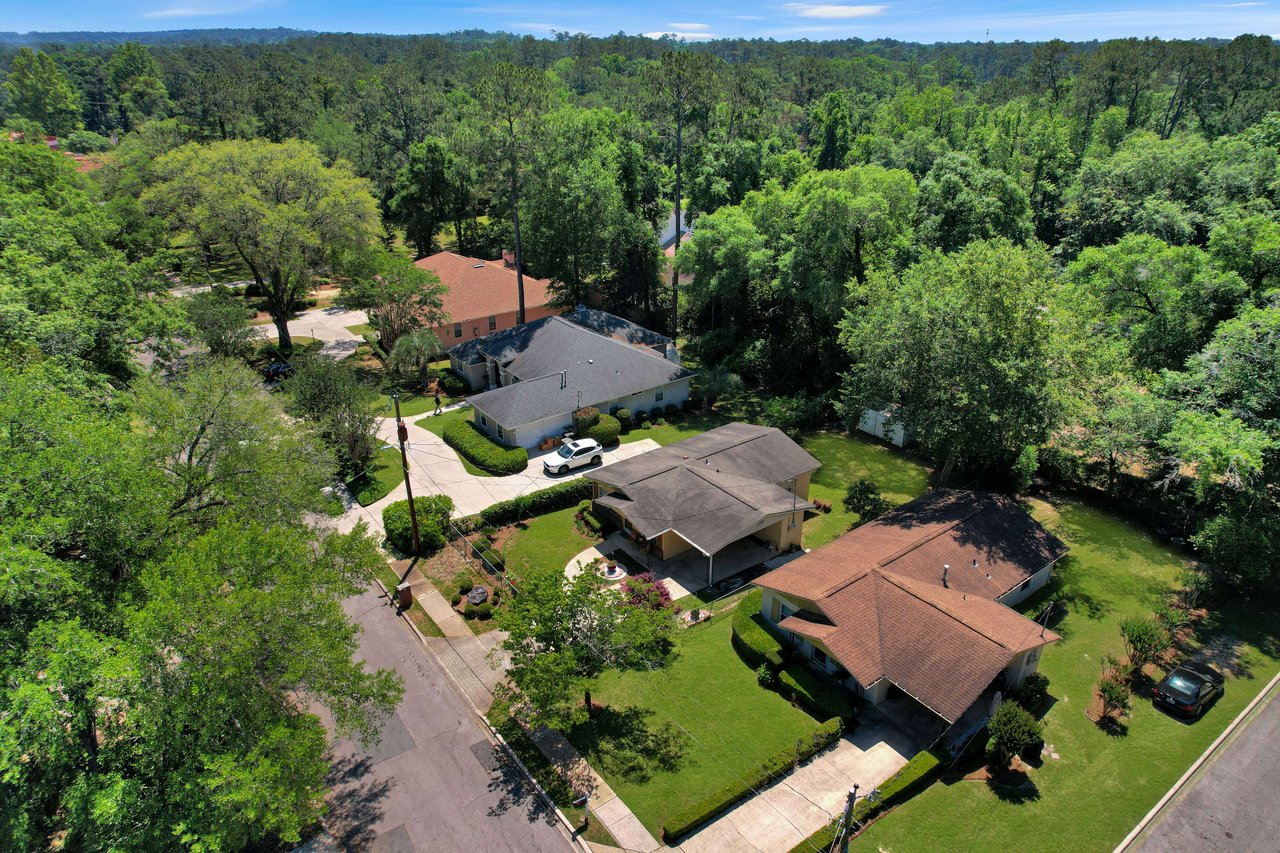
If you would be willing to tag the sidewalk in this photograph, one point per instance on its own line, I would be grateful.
(324, 324)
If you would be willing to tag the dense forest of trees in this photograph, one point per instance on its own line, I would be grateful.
(1055, 260)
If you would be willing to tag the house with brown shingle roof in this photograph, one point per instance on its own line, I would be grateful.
(481, 296)
(919, 600)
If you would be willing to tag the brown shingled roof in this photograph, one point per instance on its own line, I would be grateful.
(883, 612)
(479, 288)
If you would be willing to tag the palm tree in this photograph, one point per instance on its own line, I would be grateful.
(413, 354)
(714, 382)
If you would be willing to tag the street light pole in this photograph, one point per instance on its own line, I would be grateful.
(402, 433)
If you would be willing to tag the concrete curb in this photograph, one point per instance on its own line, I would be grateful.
(565, 825)
(1146, 821)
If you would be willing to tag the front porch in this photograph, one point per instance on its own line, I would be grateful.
(688, 571)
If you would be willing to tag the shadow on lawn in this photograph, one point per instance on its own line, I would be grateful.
(623, 741)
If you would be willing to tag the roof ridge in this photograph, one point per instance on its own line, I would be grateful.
(701, 475)
(643, 348)
(897, 581)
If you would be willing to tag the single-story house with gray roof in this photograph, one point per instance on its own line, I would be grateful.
(707, 492)
(539, 373)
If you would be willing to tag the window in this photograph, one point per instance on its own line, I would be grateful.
(1026, 583)
(501, 435)
(493, 322)
(819, 655)
(657, 396)
(457, 330)
(484, 421)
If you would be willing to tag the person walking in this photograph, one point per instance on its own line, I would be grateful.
(437, 411)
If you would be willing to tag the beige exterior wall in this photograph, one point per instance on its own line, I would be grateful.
(672, 544)
(784, 532)
(1022, 666)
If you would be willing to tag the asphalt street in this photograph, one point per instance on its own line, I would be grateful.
(434, 782)
(1233, 804)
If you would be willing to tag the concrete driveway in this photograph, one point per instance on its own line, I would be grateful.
(434, 781)
(791, 810)
(324, 324)
(434, 469)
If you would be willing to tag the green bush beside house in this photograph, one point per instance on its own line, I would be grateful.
(433, 520)
(482, 451)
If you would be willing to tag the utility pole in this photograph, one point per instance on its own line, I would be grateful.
(402, 433)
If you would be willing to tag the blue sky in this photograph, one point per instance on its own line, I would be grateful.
(912, 20)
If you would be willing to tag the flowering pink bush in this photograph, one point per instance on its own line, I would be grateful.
(644, 590)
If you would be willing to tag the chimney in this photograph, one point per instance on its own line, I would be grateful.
(508, 259)
(946, 567)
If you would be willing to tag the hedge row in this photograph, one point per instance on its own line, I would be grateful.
(606, 430)
(698, 812)
(751, 637)
(815, 694)
(433, 519)
(559, 496)
(914, 775)
(482, 451)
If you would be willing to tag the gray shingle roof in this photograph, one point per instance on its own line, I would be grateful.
(509, 343)
(599, 367)
(616, 327)
(756, 452)
(712, 489)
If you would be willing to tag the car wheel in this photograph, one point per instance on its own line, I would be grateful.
(562, 469)
(597, 460)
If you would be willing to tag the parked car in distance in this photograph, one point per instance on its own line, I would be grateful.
(573, 454)
(279, 370)
(1188, 689)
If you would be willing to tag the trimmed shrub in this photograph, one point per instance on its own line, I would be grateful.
(624, 418)
(559, 496)
(584, 419)
(814, 693)
(752, 636)
(1013, 730)
(646, 425)
(456, 600)
(1032, 692)
(641, 416)
(671, 410)
(765, 677)
(433, 519)
(451, 383)
(482, 451)
(605, 430)
(683, 820)
(495, 559)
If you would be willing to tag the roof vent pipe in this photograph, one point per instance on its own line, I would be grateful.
(564, 379)
(946, 567)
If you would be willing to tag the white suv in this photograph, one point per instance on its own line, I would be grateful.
(573, 454)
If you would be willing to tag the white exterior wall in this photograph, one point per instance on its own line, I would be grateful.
(1022, 666)
(877, 424)
(529, 435)
(473, 373)
(1033, 583)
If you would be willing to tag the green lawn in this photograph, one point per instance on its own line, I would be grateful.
(1104, 783)
(732, 724)
(685, 425)
(846, 458)
(360, 329)
(385, 472)
(549, 541)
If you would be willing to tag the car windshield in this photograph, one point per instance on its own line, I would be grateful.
(565, 452)
(1181, 686)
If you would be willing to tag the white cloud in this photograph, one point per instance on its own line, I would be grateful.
(199, 8)
(834, 11)
(679, 26)
(687, 36)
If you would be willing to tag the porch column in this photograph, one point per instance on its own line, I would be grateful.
(710, 564)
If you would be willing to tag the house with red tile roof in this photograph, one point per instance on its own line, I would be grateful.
(919, 600)
(481, 296)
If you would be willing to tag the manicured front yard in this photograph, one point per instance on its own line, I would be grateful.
(846, 458)
(1103, 783)
(682, 426)
(437, 423)
(732, 725)
(548, 542)
(385, 472)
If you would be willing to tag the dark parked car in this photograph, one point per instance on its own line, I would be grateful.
(1188, 689)
(279, 370)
